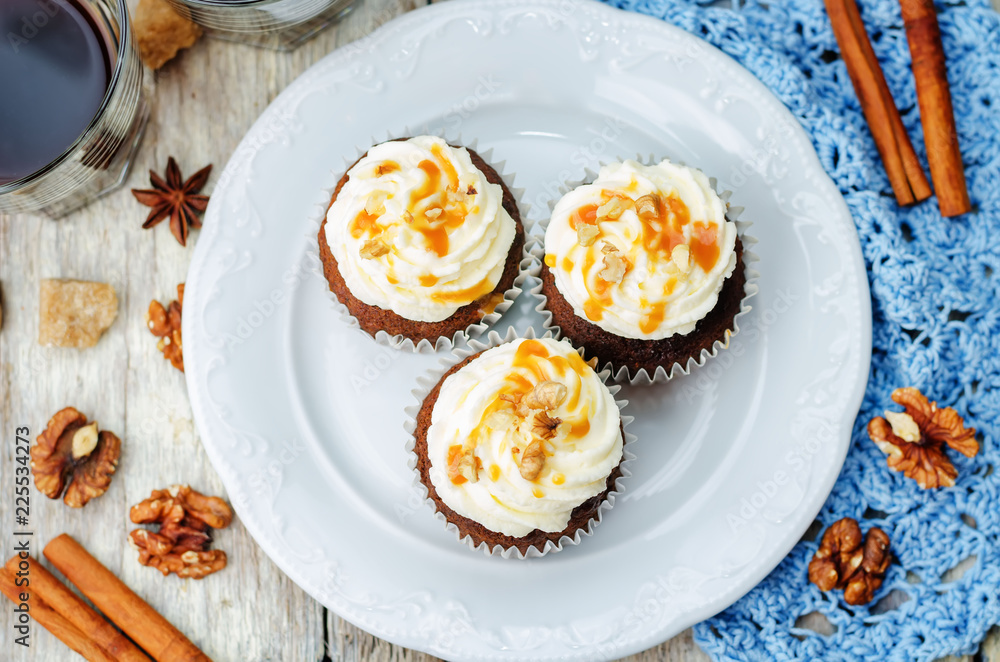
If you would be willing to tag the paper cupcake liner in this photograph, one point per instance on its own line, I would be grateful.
(641, 377)
(526, 266)
(427, 382)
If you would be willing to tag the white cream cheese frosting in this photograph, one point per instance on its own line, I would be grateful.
(643, 251)
(418, 230)
(516, 406)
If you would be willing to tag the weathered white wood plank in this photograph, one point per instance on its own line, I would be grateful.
(679, 649)
(204, 102)
(352, 644)
(990, 650)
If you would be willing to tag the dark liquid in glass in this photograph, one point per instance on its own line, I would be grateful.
(54, 73)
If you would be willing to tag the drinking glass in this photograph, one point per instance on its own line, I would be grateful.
(277, 24)
(98, 161)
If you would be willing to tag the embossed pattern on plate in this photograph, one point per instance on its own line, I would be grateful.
(303, 417)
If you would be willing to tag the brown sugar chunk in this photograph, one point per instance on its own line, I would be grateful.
(161, 32)
(74, 313)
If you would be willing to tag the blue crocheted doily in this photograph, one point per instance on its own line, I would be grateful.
(935, 286)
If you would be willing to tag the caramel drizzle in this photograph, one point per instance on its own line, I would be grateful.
(438, 191)
(661, 233)
(431, 194)
(533, 363)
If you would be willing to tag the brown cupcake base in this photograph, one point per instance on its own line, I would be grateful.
(579, 519)
(373, 319)
(637, 354)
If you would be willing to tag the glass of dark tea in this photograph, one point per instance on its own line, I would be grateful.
(73, 102)
(278, 24)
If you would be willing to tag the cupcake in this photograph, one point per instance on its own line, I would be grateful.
(422, 239)
(643, 269)
(519, 446)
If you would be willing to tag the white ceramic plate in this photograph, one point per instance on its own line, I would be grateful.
(303, 417)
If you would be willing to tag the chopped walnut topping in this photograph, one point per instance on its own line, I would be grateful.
(914, 439)
(512, 398)
(375, 204)
(532, 461)
(612, 209)
(532, 409)
(544, 426)
(463, 465)
(586, 234)
(680, 256)
(180, 546)
(501, 420)
(69, 450)
(614, 264)
(471, 190)
(545, 395)
(842, 561)
(433, 213)
(373, 248)
(648, 206)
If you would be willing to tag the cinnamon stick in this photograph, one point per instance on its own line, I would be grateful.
(143, 624)
(906, 176)
(49, 619)
(54, 593)
(936, 113)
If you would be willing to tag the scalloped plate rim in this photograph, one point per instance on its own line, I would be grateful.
(456, 7)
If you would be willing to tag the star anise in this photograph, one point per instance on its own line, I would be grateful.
(175, 198)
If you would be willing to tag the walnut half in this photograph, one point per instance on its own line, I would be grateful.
(914, 439)
(545, 395)
(613, 267)
(848, 561)
(533, 460)
(165, 323)
(70, 451)
(180, 546)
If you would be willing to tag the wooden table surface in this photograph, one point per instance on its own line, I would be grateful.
(205, 100)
